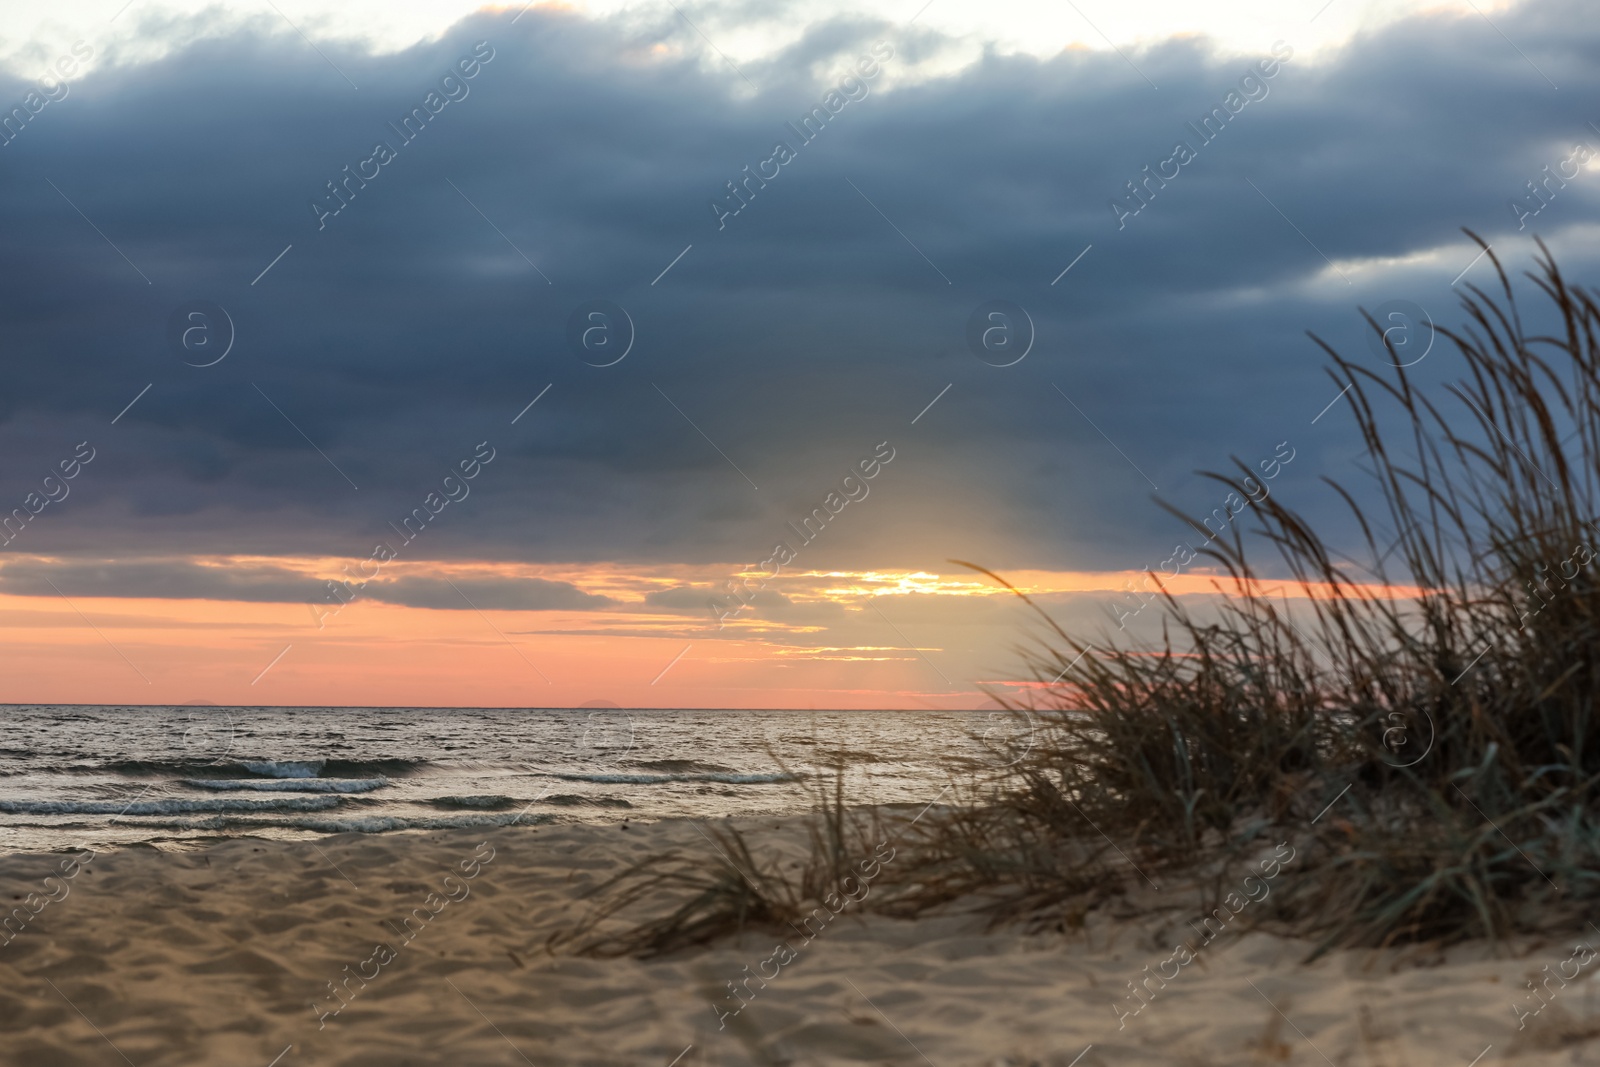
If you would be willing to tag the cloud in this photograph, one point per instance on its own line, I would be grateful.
(185, 580)
(819, 321)
(159, 579)
(685, 599)
(488, 594)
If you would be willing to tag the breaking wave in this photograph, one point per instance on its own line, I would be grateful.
(284, 768)
(166, 806)
(727, 778)
(290, 785)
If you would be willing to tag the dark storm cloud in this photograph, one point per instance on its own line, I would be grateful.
(412, 326)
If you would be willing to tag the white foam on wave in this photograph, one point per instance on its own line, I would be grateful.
(291, 785)
(165, 806)
(728, 778)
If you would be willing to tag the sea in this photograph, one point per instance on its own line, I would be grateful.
(178, 778)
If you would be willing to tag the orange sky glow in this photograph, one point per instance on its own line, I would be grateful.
(848, 646)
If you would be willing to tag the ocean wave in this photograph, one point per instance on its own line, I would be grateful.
(284, 768)
(486, 802)
(568, 800)
(678, 766)
(164, 806)
(373, 824)
(657, 779)
(366, 768)
(291, 785)
(298, 770)
(380, 824)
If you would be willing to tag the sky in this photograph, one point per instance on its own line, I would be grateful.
(443, 363)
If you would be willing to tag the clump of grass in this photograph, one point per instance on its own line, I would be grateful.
(1255, 715)
(711, 897)
(731, 886)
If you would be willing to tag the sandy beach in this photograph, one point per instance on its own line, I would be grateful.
(226, 956)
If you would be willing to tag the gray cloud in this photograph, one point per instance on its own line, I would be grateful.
(798, 337)
(170, 579)
(688, 599)
(497, 594)
(181, 580)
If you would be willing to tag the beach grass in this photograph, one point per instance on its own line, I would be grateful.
(1414, 713)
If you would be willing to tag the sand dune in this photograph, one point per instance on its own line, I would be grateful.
(226, 957)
